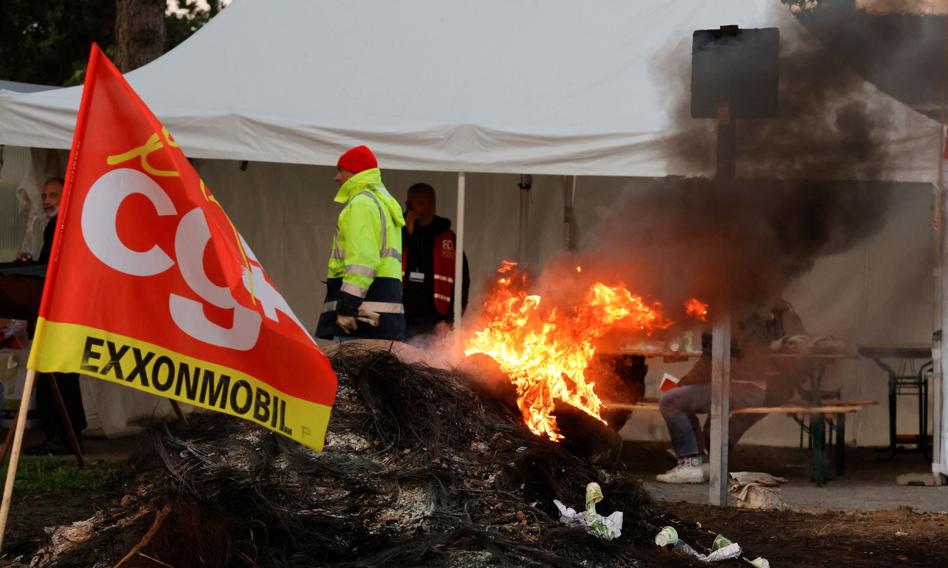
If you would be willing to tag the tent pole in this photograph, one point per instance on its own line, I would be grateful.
(939, 345)
(569, 194)
(459, 254)
(526, 183)
(938, 392)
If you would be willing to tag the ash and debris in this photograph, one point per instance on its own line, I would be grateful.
(421, 467)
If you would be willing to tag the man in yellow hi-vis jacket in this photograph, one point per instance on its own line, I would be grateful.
(364, 285)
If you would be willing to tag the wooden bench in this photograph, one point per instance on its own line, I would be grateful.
(832, 410)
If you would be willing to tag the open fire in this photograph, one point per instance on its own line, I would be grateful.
(696, 309)
(545, 349)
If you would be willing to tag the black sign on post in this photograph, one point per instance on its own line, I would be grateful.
(737, 67)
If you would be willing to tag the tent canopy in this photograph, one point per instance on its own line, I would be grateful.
(501, 86)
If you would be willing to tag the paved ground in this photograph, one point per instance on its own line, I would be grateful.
(869, 484)
(841, 496)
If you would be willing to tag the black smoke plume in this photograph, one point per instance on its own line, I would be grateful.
(807, 186)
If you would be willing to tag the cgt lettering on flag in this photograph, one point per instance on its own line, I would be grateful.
(151, 285)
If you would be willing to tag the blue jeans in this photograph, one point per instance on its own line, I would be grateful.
(680, 406)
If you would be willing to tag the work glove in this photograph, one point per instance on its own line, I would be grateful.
(369, 317)
(347, 324)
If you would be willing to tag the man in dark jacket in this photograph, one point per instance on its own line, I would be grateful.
(428, 262)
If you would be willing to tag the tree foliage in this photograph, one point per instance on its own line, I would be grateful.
(187, 18)
(47, 42)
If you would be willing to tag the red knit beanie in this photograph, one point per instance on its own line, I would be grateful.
(357, 160)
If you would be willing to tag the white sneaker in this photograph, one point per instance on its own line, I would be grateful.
(705, 462)
(688, 470)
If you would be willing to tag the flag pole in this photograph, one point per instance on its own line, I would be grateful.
(20, 427)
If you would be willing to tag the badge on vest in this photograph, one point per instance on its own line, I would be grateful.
(418, 277)
(447, 248)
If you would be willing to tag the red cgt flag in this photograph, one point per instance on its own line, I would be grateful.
(151, 286)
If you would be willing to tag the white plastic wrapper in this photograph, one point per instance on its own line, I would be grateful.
(606, 528)
(722, 549)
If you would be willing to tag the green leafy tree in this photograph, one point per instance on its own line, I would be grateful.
(47, 42)
(187, 17)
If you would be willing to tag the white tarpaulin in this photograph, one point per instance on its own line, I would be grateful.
(506, 86)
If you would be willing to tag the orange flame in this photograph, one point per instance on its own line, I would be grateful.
(696, 309)
(545, 350)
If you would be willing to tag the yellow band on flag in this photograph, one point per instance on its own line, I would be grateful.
(72, 348)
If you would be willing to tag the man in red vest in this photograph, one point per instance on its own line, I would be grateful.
(428, 264)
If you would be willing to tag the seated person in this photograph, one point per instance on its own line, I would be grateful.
(752, 375)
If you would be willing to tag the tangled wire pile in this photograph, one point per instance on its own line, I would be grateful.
(421, 467)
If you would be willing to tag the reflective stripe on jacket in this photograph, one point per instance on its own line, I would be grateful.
(365, 260)
(444, 255)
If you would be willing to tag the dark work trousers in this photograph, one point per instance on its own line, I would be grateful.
(52, 419)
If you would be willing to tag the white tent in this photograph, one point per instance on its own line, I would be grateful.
(494, 88)
(524, 86)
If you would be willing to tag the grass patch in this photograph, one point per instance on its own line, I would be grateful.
(46, 477)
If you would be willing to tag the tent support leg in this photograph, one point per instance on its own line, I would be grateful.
(939, 394)
(526, 182)
(569, 194)
(939, 344)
